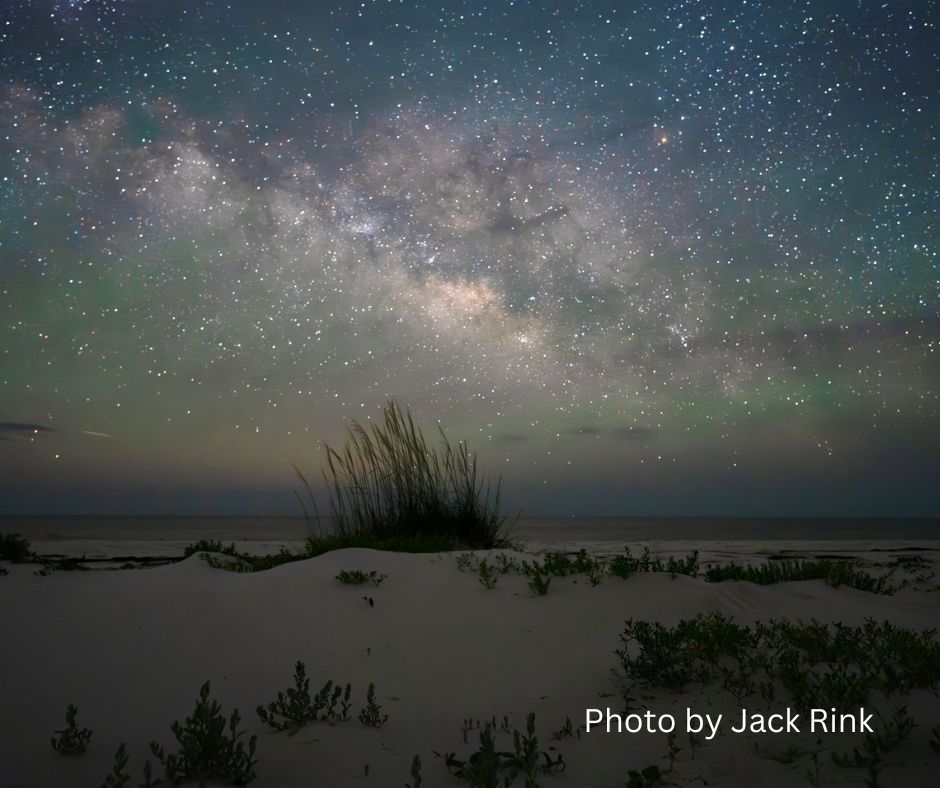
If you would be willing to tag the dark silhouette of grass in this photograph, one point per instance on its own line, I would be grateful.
(15, 549)
(388, 483)
(416, 543)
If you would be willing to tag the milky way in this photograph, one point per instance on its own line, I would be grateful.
(657, 258)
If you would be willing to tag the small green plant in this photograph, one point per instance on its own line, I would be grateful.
(467, 562)
(487, 576)
(226, 562)
(15, 549)
(685, 566)
(469, 724)
(295, 707)
(415, 773)
(505, 564)
(371, 714)
(525, 760)
(483, 768)
(226, 557)
(492, 768)
(356, 577)
(72, 740)
(673, 749)
(557, 564)
(650, 776)
(814, 772)
(595, 574)
(870, 754)
(118, 777)
(148, 782)
(625, 565)
(209, 747)
(539, 581)
(565, 731)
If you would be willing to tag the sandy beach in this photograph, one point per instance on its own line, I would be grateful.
(131, 648)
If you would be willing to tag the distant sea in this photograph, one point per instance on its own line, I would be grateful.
(548, 529)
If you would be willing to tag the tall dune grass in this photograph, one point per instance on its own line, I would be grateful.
(387, 482)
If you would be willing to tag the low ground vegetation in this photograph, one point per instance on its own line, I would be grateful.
(813, 664)
(489, 767)
(72, 739)
(210, 747)
(541, 569)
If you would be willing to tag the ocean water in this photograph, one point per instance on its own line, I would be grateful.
(539, 529)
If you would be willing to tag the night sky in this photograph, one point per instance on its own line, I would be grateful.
(674, 258)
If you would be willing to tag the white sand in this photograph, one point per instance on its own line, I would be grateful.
(131, 648)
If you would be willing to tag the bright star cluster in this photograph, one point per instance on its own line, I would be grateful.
(651, 258)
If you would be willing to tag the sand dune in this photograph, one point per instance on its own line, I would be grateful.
(131, 649)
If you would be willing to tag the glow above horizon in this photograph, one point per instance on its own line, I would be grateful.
(670, 260)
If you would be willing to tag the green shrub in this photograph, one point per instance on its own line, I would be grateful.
(356, 577)
(118, 777)
(625, 565)
(467, 562)
(15, 548)
(505, 564)
(294, 707)
(388, 481)
(487, 576)
(72, 740)
(492, 768)
(557, 564)
(371, 714)
(209, 748)
(685, 566)
(539, 581)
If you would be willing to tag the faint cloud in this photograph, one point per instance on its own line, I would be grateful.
(19, 430)
(586, 430)
(512, 437)
(632, 433)
(636, 433)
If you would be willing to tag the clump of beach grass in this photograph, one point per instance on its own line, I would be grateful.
(389, 483)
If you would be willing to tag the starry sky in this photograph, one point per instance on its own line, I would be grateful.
(651, 258)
